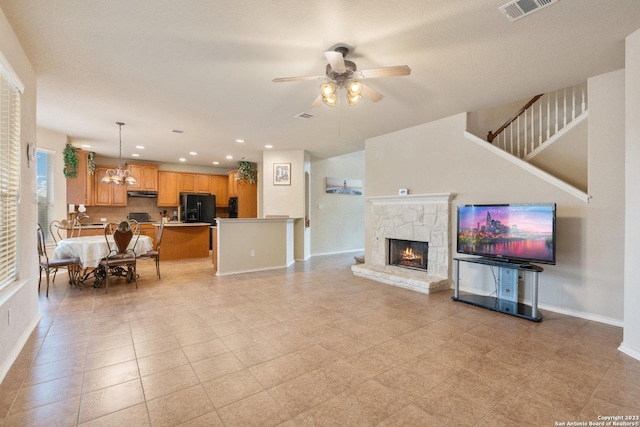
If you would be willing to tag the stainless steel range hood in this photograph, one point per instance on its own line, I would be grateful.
(142, 193)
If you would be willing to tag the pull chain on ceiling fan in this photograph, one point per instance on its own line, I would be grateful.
(343, 74)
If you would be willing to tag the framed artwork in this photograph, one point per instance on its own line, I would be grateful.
(344, 186)
(282, 174)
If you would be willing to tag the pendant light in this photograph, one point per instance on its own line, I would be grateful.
(120, 175)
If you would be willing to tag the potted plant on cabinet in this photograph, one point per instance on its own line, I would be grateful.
(246, 172)
(71, 161)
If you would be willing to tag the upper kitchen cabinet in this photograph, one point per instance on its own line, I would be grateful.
(220, 189)
(168, 188)
(146, 176)
(247, 194)
(194, 183)
(80, 188)
(108, 194)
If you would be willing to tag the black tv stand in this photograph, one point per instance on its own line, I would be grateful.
(511, 307)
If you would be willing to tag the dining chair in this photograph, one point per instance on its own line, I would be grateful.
(48, 265)
(155, 253)
(64, 229)
(121, 260)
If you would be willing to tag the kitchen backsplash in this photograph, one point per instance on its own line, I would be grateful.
(135, 204)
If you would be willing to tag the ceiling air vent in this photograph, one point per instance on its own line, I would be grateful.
(520, 8)
(305, 116)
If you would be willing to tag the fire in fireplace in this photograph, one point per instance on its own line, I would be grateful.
(408, 253)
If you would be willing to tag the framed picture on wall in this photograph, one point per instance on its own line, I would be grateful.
(282, 174)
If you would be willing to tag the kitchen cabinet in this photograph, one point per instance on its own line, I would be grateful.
(247, 195)
(168, 192)
(220, 189)
(186, 183)
(146, 176)
(80, 189)
(232, 183)
(202, 183)
(148, 230)
(108, 194)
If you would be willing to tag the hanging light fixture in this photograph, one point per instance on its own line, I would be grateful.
(329, 96)
(120, 175)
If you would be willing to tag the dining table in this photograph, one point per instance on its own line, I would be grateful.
(92, 249)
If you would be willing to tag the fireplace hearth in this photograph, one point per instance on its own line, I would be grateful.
(408, 254)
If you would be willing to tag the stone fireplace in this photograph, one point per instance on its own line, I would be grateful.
(423, 218)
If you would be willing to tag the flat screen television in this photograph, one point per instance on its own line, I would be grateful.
(518, 233)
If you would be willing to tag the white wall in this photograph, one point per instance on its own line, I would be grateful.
(283, 199)
(435, 158)
(21, 296)
(336, 219)
(55, 142)
(631, 343)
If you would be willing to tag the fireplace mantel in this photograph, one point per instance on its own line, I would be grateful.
(411, 198)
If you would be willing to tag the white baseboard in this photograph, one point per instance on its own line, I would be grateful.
(629, 351)
(340, 252)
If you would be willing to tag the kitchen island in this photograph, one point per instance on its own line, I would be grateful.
(182, 240)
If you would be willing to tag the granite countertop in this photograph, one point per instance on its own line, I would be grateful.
(156, 224)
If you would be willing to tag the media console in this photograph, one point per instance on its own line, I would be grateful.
(507, 299)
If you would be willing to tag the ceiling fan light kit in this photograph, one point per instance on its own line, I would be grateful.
(341, 73)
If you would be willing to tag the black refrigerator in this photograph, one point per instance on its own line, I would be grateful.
(199, 208)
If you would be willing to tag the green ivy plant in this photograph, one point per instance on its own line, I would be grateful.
(70, 156)
(91, 162)
(246, 172)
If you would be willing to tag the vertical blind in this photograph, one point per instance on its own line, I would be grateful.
(9, 174)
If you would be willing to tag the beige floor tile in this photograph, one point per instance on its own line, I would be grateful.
(64, 412)
(110, 375)
(104, 401)
(161, 361)
(257, 410)
(54, 370)
(301, 393)
(133, 416)
(410, 415)
(216, 366)
(450, 408)
(169, 381)
(232, 387)
(179, 407)
(277, 371)
(109, 357)
(41, 394)
(155, 346)
(204, 350)
(210, 419)
(195, 336)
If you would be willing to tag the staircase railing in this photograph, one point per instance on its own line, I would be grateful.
(539, 120)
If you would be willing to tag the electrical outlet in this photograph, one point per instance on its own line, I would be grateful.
(103, 219)
(253, 253)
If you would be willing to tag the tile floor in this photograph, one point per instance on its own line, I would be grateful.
(308, 345)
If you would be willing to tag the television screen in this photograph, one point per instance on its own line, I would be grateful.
(515, 232)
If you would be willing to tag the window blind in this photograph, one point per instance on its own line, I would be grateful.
(9, 174)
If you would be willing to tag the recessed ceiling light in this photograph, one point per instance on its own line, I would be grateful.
(229, 157)
(182, 159)
(216, 163)
(177, 131)
(135, 155)
(140, 147)
(268, 146)
(85, 146)
(240, 140)
(193, 153)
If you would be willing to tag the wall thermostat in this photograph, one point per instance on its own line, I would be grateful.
(403, 192)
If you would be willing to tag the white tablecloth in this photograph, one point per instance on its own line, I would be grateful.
(91, 249)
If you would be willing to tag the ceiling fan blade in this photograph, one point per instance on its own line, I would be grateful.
(295, 79)
(371, 94)
(336, 60)
(372, 73)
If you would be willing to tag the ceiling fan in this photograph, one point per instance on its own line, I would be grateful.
(341, 73)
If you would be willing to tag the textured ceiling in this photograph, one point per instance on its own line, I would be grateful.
(206, 67)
